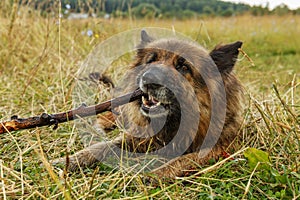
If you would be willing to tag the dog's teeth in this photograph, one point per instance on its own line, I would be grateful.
(158, 104)
(144, 100)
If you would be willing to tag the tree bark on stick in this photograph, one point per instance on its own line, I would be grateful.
(54, 119)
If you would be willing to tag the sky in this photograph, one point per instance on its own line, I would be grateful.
(292, 4)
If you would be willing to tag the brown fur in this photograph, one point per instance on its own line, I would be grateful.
(172, 58)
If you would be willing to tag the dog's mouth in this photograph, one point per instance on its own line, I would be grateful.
(153, 106)
(150, 101)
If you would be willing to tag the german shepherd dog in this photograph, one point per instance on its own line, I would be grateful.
(190, 111)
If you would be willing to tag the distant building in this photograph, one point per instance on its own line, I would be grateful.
(80, 16)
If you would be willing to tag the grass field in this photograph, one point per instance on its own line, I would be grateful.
(39, 58)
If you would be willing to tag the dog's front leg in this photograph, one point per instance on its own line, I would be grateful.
(90, 155)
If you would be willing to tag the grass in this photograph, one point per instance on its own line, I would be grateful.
(39, 59)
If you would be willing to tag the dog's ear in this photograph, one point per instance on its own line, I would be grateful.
(145, 38)
(225, 56)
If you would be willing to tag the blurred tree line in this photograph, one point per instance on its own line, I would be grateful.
(181, 9)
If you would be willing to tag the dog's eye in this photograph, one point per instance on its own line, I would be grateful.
(182, 66)
(152, 58)
(180, 63)
(183, 69)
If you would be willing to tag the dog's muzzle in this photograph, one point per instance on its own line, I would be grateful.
(156, 99)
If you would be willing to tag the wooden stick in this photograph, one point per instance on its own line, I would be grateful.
(54, 119)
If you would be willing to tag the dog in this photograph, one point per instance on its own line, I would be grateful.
(190, 111)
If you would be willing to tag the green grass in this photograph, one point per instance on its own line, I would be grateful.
(39, 59)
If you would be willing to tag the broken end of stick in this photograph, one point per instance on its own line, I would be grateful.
(8, 126)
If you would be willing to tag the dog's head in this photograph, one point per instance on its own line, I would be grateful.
(171, 70)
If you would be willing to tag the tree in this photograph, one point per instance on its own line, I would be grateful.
(145, 10)
(281, 10)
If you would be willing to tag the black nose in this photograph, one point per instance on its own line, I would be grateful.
(149, 78)
(153, 78)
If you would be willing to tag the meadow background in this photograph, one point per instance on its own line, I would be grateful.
(39, 58)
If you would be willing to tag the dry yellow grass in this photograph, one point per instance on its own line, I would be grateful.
(39, 58)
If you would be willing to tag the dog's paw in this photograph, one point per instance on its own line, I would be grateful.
(151, 180)
(68, 163)
(58, 162)
(158, 177)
